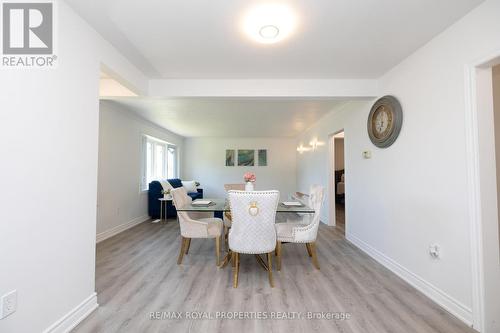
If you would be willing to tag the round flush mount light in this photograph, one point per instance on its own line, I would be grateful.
(269, 32)
(269, 23)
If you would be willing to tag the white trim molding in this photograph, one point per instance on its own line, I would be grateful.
(120, 228)
(447, 302)
(474, 193)
(75, 316)
(474, 173)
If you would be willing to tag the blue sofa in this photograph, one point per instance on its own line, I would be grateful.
(154, 194)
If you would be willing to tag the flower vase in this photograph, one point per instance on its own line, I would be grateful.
(249, 186)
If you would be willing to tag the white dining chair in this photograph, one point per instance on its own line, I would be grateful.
(227, 215)
(195, 228)
(194, 215)
(252, 232)
(305, 231)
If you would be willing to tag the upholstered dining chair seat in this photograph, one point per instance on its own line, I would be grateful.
(284, 231)
(305, 231)
(253, 215)
(203, 227)
(214, 226)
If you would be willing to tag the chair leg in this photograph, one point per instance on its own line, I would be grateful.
(217, 249)
(314, 255)
(236, 268)
(227, 258)
(226, 233)
(308, 247)
(270, 270)
(181, 253)
(261, 262)
(188, 244)
(278, 255)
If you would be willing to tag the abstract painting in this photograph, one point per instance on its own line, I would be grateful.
(246, 157)
(230, 157)
(262, 157)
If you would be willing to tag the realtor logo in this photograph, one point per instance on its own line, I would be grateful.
(28, 29)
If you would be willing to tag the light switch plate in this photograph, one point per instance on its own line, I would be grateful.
(8, 304)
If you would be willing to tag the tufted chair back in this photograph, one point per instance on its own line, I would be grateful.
(308, 233)
(253, 215)
(190, 227)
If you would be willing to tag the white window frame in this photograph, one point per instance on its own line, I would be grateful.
(166, 146)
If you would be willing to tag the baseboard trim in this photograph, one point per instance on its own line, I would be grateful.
(120, 228)
(447, 302)
(75, 316)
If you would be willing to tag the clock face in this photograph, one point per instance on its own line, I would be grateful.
(382, 123)
(385, 121)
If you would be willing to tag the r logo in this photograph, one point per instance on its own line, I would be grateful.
(27, 28)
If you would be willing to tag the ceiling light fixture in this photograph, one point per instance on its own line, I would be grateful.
(301, 149)
(269, 31)
(269, 23)
(315, 144)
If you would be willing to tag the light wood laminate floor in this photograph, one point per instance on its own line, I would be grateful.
(137, 274)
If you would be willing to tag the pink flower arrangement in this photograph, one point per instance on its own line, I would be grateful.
(249, 177)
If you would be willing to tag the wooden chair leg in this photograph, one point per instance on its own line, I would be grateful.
(236, 268)
(227, 258)
(217, 249)
(188, 244)
(261, 262)
(270, 270)
(314, 255)
(308, 247)
(278, 255)
(226, 233)
(181, 253)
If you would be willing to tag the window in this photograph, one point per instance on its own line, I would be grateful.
(160, 160)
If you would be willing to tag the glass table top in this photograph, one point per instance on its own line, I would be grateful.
(221, 205)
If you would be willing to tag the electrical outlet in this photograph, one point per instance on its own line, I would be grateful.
(8, 304)
(435, 251)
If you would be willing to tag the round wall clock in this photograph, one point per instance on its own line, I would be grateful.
(385, 121)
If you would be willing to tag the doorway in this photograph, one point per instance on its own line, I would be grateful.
(483, 139)
(337, 181)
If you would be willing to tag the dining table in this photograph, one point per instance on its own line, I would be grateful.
(221, 206)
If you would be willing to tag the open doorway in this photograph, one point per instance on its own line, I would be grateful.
(337, 186)
(484, 175)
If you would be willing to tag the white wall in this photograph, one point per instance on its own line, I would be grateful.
(205, 162)
(48, 135)
(409, 196)
(120, 202)
(312, 166)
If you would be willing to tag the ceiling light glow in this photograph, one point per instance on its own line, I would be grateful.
(269, 31)
(269, 23)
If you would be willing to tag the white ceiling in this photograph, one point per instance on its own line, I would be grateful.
(335, 38)
(202, 117)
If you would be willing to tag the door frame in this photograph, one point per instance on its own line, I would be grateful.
(331, 176)
(477, 210)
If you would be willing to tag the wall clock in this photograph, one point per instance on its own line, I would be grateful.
(385, 121)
